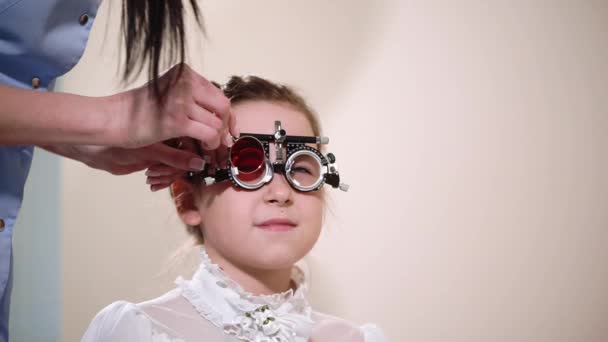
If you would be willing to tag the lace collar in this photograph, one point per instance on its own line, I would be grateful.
(281, 317)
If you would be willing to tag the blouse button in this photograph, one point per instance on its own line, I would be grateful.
(35, 82)
(84, 19)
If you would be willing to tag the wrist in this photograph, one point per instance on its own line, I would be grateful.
(113, 124)
(89, 120)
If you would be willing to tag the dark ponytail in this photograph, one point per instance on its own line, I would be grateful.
(147, 25)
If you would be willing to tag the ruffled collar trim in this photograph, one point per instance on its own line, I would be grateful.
(280, 317)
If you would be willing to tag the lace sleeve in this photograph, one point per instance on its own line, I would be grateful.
(335, 329)
(120, 322)
(373, 333)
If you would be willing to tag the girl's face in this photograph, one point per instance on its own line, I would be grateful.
(268, 228)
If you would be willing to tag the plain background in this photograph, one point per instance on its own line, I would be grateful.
(474, 137)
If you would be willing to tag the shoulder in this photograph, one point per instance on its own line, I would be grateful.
(373, 333)
(141, 322)
(119, 321)
(328, 327)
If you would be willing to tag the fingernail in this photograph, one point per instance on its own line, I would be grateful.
(157, 173)
(228, 140)
(153, 181)
(153, 189)
(197, 164)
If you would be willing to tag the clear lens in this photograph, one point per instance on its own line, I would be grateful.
(303, 170)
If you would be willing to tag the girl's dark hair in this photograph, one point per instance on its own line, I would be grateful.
(253, 88)
(147, 26)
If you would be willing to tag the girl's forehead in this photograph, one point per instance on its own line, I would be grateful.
(260, 116)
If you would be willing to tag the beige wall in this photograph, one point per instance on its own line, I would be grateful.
(475, 141)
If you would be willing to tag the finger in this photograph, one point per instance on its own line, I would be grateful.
(209, 96)
(179, 159)
(234, 130)
(159, 180)
(155, 188)
(210, 102)
(227, 138)
(183, 143)
(205, 117)
(120, 170)
(162, 170)
(209, 137)
(230, 131)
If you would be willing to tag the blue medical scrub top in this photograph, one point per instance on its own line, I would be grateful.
(39, 41)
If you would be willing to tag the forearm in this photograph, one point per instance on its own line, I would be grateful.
(68, 151)
(41, 118)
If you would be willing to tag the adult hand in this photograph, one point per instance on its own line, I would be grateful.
(193, 107)
(122, 161)
(162, 175)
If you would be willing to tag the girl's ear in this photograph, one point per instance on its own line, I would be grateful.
(182, 192)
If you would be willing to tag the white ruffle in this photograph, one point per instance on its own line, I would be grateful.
(164, 337)
(281, 317)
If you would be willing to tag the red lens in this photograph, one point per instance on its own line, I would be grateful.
(247, 155)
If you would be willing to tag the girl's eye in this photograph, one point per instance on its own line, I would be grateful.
(301, 169)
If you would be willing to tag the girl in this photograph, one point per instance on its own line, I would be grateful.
(254, 215)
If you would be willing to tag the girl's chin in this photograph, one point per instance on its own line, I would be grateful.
(269, 260)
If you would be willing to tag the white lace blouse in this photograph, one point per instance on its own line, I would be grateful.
(212, 308)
